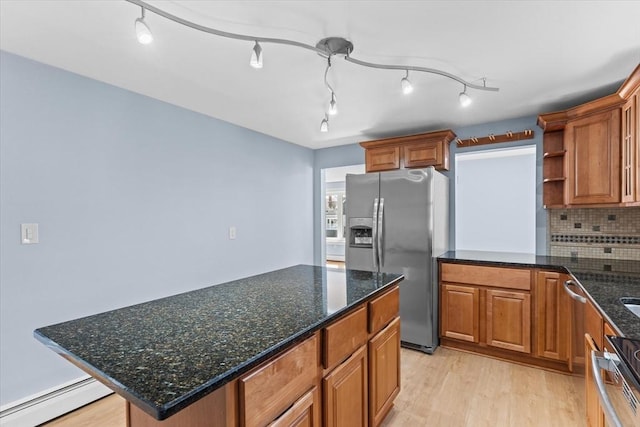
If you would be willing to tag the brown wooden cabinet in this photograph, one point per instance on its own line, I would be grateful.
(552, 316)
(268, 391)
(460, 312)
(414, 151)
(384, 371)
(509, 320)
(303, 413)
(591, 151)
(488, 307)
(594, 413)
(517, 314)
(346, 392)
(593, 159)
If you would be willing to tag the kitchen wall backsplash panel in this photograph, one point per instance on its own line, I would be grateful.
(611, 233)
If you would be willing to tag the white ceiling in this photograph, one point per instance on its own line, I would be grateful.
(543, 55)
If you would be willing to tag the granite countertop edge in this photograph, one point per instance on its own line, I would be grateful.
(623, 321)
(163, 412)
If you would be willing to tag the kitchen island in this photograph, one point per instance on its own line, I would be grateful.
(163, 356)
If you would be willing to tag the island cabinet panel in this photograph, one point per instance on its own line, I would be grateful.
(384, 371)
(271, 389)
(346, 392)
(384, 309)
(593, 159)
(509, 320)
(552, 316)
(344, 336)
(460, 308)
(594, 412)
(215, 409)
(304, 413)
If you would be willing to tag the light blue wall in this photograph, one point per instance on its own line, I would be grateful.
(134, 198)
(354, 154)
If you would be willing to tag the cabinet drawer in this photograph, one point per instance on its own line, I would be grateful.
(498, 277)
(305, 412)
(344, 336)
(384, 309)
(272, 388)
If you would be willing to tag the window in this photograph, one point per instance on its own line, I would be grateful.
(495, 200)
(334, 214)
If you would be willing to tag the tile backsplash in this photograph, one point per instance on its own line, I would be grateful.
(608, 233)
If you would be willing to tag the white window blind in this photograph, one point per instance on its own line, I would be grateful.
(495, 200)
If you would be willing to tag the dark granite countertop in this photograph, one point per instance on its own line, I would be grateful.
(605, 281)
(165, 354)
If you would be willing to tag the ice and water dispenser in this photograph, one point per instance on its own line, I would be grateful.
(361, 232)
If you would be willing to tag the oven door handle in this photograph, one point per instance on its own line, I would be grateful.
(597, 364)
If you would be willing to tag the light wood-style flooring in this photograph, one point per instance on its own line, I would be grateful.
(448, 389)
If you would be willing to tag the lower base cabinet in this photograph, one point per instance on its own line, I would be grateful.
(384, 371)
(345, 392)
(509, 320)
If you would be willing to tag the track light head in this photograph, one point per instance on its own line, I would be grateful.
(406, 85)
(465, 100)
(143, 33)
(324, 125)
(256, 56)
(333, 106)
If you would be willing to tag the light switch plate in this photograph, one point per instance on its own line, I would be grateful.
(29, 234)
(232, 232)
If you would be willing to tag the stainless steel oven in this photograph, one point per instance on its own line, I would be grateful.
(620, 395)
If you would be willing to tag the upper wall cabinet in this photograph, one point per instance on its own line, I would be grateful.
(415, 151)
(592, 151)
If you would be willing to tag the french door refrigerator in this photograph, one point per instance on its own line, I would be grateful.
(397, 222)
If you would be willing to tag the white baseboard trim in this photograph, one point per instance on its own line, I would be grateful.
(52, 403)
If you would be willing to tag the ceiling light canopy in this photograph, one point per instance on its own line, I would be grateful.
(327, 47)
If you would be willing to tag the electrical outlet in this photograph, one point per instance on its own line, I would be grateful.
(29, 234)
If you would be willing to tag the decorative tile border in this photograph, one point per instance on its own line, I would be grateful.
(596, 239)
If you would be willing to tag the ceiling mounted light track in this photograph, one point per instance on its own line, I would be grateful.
(327, 47)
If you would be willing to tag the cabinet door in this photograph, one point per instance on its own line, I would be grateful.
(382, 158)
(345, 392)
(552, 316)
(594, 326)
(595, 416)
(593, 159)
(303, 413)
(384, 371)
(460, 312)
(509, 320)
(423, 154)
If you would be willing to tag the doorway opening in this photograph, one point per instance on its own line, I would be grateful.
(334, 214)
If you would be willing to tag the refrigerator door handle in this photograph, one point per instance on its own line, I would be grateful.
(381, 233)
(374, 237)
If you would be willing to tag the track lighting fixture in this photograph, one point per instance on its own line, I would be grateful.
(324, 125)
(143, 33)
(465, 100)
(406, 85)
(326, 47)
(256, 56)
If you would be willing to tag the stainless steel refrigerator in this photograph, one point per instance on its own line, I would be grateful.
(398, 222)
